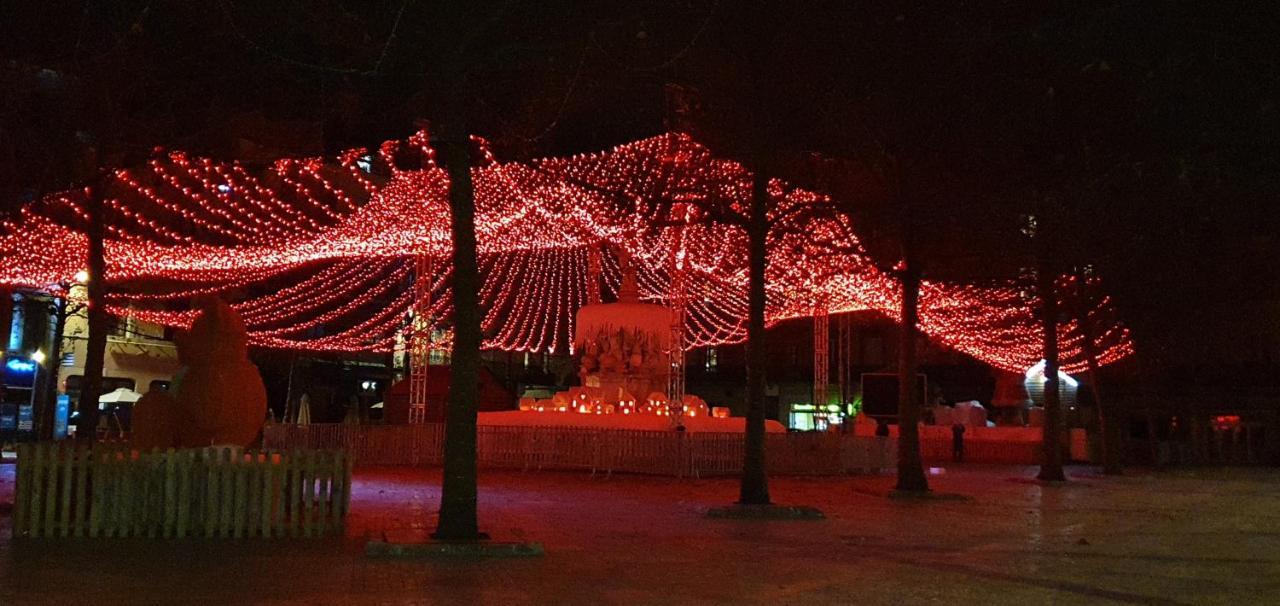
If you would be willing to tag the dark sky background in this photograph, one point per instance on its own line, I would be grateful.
(1153, 125)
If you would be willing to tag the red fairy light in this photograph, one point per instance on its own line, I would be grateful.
(318, 255)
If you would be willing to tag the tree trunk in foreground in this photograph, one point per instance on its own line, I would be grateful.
(6, 322)
(6, 319)
(52, 365)
(755, 478)
(1051, 466)
(1108, 421)
(458, 492)
(99, 322)
(1112, 434)
(911, 476)
(1108, 426)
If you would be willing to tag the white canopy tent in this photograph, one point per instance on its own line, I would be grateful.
(122, 395)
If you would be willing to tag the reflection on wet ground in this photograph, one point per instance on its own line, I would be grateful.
(1181, 537)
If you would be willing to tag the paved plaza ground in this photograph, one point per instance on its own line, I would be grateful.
(1196, 536)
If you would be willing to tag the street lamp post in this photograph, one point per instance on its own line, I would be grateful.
(37, 356)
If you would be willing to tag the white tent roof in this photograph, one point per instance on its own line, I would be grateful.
(120, 395)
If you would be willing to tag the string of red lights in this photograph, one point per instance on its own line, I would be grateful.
(318, 255)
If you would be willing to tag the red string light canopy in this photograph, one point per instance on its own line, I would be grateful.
(320, 254)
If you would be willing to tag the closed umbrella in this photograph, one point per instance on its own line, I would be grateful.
(304, 410)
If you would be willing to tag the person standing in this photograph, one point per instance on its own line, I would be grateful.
(957, 441)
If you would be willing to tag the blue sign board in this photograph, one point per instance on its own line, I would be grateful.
(19, 372)
(60, 413)
(26, 418)
(8, 418)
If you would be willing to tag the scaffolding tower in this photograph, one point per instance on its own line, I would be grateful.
(420, 324)
(821, 353)
(844, 358)
(675, 352)
(676, 300)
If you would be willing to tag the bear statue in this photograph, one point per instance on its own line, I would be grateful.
(218, 396)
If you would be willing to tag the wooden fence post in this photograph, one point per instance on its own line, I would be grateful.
(51, 488)
(308, 493)
(323, 486)
(112, 493)
(213, 491)
(266, 504)
(67, 468)
(252, 508)
(226, 477)
(182, 492)
(110, 490)
(240, 502)
(171, 493)
(295, 494)
(340, 488)
(80, 516)
(22, 490)
(95, 491)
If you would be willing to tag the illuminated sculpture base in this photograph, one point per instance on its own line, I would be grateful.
(623, 349)
(624, 353)
(635, 422)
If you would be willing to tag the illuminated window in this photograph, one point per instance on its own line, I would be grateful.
(713, 359)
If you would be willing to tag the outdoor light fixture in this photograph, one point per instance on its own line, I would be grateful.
(37, 356)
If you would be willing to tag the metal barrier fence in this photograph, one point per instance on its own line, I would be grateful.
(1005, 452)
(112, 490)
(596, 450)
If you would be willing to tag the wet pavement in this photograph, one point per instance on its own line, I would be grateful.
(1197, 536)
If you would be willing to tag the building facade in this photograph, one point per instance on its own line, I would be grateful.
(139, 357)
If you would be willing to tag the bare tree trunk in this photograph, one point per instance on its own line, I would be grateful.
(6, 322)
(911, 476)
(53, 363)
(6, 319)
(1112, 451)
(458, 515)
(1051, 467)
(1108, 426)
(754, 489)
(95, 355)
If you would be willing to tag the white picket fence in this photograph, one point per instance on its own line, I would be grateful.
(111, 490)
(597, 450)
